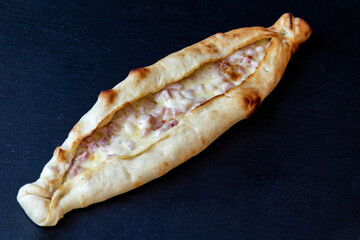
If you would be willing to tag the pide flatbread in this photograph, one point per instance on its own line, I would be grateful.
(162, 115)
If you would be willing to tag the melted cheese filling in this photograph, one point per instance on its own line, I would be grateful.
(144, 121)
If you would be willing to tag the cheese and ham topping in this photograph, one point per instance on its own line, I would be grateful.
(149, 117)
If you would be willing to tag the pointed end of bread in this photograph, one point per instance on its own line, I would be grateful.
(295, 29)
(31, 197)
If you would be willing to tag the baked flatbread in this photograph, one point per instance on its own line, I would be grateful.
(162, 115)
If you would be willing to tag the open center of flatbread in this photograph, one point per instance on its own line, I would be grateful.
(141, 124)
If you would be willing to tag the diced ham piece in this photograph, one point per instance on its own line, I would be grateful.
(158, 132)
(83, 144)
(104, 131)
(172, 123)
(129, 111)
(89, 139)
(158, 123)
(118, 114)
(149, 119)
(148, 104)
(75, 170)
(168, 114)
(118, 122)
(174, 86)
(162, 96)
(166, 94)
(103, 141)
(176, 111)
(82, 158)
(145, 132)
(141, 109)
(146, 121)
(159, 110)
(158, 98)
(113, 127)
(92, 147)
(166, 126)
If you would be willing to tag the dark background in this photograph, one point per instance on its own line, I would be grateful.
(291, 171)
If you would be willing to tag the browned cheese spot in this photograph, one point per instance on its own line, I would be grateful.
(139, 72)
(108, 96)
(233, 75)
(230, 70)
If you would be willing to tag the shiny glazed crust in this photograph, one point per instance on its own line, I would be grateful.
(49, 198)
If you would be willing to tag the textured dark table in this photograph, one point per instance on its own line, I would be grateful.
(292, 171)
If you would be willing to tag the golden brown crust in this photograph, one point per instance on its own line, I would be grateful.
(251, 101)
(49, 198)
(61, 157)
(139, 73)
(108, 96)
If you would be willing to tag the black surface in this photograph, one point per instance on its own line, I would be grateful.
(292, 171)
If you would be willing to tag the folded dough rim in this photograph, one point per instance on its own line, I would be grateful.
(47, 200)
